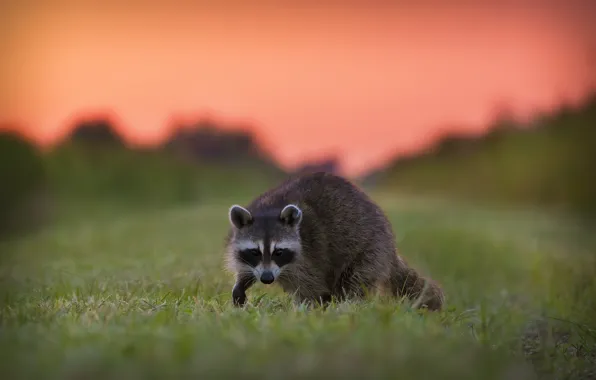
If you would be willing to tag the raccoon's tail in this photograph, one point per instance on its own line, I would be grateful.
(423, 291)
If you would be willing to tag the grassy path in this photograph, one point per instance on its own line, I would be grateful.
(143, 295)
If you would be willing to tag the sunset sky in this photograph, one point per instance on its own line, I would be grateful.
(363, 81)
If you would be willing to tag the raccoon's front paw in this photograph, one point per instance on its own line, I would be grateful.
(238, 297)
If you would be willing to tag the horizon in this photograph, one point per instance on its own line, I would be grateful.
(401, 84)
(195, 124)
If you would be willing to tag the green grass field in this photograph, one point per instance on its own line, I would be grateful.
(143, 295)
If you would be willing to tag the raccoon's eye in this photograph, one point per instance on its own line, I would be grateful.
(278, 252)
(250, 252)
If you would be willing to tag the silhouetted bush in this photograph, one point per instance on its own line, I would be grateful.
(208, 143)
(330, 165)
(95, 132)
(21, 180)
(452, 144)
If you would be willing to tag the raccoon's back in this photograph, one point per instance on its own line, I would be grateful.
(339, 219)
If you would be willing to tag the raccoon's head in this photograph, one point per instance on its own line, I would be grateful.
(266, 242)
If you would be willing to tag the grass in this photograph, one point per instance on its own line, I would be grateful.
(143, 295)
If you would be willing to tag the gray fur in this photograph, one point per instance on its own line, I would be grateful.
(345, 243)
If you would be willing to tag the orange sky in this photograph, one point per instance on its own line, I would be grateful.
(365, 82)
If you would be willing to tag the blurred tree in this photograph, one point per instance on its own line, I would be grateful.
(549, 161)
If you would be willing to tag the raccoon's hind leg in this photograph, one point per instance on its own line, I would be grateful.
(357, 280)
(243, 282)
(406, 281)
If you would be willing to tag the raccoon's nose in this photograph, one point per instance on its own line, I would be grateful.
(267, 277)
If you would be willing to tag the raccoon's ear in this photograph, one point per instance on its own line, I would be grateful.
(291, 215)
(239, 216)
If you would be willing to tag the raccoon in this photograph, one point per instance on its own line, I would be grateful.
(320, 238)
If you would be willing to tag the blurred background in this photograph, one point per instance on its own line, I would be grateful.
(164, 103)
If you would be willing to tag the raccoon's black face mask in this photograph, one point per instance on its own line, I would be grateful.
(266, 241)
